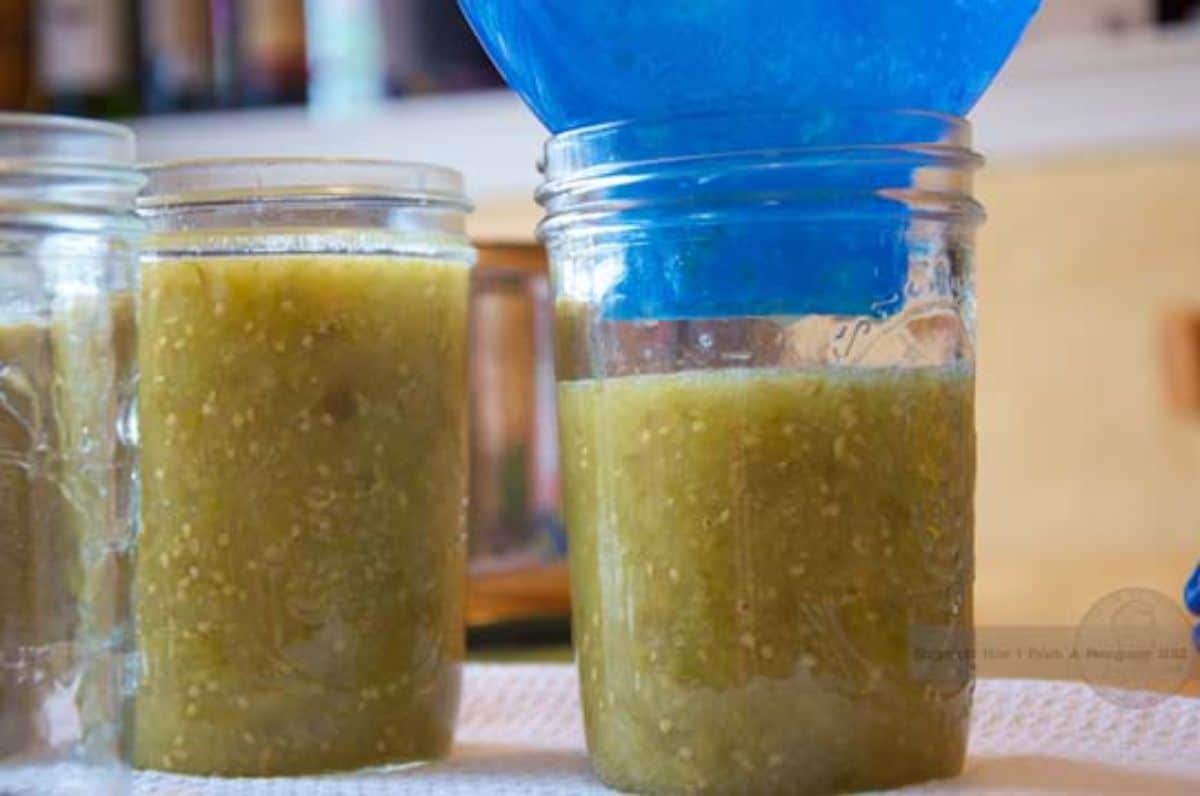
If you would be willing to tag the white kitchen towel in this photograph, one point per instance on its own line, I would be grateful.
(521, 734)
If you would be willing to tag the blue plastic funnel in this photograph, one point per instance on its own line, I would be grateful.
(739, 76)
(582, 62)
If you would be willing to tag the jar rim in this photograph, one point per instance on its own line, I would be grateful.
(643, 143)
(34, 142)
(60, 172)
(218, 181)
(726, 167)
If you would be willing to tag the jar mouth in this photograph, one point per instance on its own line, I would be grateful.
(32, 141)
(57, 171)
(619, 145)
(711, 164)
(223, 181)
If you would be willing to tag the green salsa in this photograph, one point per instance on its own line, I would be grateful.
(757, 558)
(300, 570)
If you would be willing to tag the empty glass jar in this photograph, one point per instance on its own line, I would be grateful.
(68, 240)
(765, 364)
(300, 576)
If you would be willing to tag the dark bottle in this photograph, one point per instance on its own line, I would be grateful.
(271, 60)
(430, 48)
(16, 54)
(1171, 11)
(177, 55)
(86, 56)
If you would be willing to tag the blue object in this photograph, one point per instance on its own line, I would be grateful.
(583, 62)
(776, 228)
(1191, 593)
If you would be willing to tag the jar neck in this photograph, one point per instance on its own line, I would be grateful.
(782, 214)
(719, 168)
(54, 196)
(304, 205)
(62, 173)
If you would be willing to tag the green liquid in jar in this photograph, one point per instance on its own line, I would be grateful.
(756, 555)
(300, 569)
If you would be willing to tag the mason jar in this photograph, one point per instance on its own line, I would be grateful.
(299, 588)
(68, 243)
(766, 376)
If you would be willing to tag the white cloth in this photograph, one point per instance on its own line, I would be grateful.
(521, 733)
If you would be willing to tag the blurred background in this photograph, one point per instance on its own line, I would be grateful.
(1089, 378)
(121, 58)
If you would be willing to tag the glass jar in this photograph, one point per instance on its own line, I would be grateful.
(303, 403)
(766, 376)
(68, 243)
